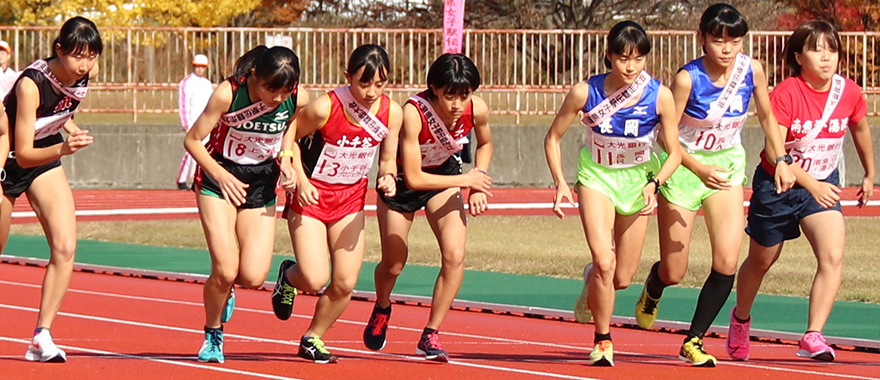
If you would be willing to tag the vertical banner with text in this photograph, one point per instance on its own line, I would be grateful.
(453, 26)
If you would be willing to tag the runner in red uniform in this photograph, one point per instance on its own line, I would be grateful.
(814, 108)
(436, 124)
(339, 134)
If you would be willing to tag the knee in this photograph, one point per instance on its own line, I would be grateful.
(64, 251)
(726, 265)
(223, 277)
(453, 259)
(832, 261)
(341, 287)
(312, 284)
(391, 269)
(673, 276)
(604, 269)
(250, 282)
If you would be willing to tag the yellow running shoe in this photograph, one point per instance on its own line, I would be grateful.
(692, 352)
(646, 310)
(582, 311)
(603, 354)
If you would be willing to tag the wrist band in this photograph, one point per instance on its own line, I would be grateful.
(656, 183)
(2, 174)
(285, 153)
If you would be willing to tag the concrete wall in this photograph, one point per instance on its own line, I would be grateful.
(148, 156)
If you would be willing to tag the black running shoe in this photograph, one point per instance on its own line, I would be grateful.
(374, 333)
(282, 296)
(312, 348)
(430, 346)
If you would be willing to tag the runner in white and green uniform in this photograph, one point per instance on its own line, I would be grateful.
(250, 146)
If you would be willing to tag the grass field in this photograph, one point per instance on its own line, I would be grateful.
(543, 245)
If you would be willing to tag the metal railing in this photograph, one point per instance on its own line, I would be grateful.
(525, 72)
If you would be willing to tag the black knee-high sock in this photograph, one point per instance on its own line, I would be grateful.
(654, 284)
(712, 297)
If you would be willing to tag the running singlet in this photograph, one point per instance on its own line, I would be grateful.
(341, 151)
(57, 103)
(625, 138)
(437, 141)
(727, 131)
(801, 108)
(250, 133)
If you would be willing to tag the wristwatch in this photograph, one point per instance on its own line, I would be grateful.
(786, 158)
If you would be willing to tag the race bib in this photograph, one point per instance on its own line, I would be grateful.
(726, 134)
(434, 154)
(249, 148)
(820, 157)
(50, 125)
(620, 152)
(343, 166)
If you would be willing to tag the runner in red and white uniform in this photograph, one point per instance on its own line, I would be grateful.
(42, 103)
(436, 124)
(247, 117)
(814, 108)
(339, 134)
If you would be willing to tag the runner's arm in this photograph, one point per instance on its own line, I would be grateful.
(571, 106)
(774, 146)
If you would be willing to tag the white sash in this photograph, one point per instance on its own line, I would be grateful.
(361, 114)
(834, 96)
(77, 93)
(251, 112)
(719, 106)
(616, 101)
(438, 130)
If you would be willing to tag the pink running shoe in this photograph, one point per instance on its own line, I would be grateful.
(813, 346)
(738, 338)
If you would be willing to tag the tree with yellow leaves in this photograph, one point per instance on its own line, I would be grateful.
(153, 13)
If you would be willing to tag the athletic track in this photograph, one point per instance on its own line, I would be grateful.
(128, 327)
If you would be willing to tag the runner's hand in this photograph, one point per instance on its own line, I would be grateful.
(478, 202)
(709, 174)
(478, 180)
(650, 199)
(234, 191)
(784, 178)
(866, 191)
(563, 192)
(825, 194)
(288, 176)
(306, 194)
(76, 140)
(387, 183)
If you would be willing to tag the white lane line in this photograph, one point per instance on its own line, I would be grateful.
(214, 367)
(291, 343)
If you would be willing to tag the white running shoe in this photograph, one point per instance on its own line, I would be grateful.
(44, 350)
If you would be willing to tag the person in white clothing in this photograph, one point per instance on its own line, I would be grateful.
(195, 90)
(7, 74)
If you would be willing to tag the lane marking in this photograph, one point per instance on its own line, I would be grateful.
(214, 367)
(404, 357)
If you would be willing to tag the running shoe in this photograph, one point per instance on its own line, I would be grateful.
(582, 311)
(646, 309)
(813, 346)
(738, 338)
(603, 354)
(429, 345)
(374, 333)
(282, 296)
(44, 350)
(230, 307)
(312, 348)
(212, 348)
(692, 352)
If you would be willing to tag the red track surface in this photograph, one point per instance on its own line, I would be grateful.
(117, 327)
